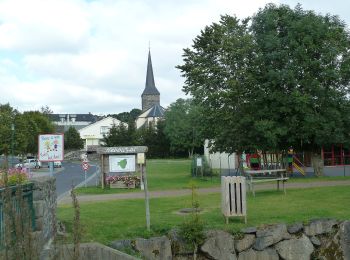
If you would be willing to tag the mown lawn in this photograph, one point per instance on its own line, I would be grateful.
(110, 220)
(176, 174)
(163, 175)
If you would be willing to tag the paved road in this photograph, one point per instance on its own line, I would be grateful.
(183, 192)
(71, 174)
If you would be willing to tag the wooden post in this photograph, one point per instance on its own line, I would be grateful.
(148, 216)
(102, 171)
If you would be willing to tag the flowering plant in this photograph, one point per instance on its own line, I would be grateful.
(128, 180)
(14, 176)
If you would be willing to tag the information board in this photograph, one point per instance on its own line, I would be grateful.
(122, 163)
(51, 147)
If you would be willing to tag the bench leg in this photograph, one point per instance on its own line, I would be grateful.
(278, 185)
(284, 188)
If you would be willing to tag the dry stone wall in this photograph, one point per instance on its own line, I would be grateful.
(319, 239)
(44, 201)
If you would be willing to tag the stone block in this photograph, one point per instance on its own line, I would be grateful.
(270, 235)
(38, 208)
(154, 248)
(245, 243)
(295, 228)
(267, 254)
(297, 248)
(320, 226)
(178, 245)
(344, 231)
(39, 224)
(219, 245)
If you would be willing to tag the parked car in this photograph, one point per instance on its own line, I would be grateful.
(29, 163)
(56, 164)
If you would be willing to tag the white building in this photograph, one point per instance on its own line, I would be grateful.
(78, 121)
(93, 133)
(223, 162)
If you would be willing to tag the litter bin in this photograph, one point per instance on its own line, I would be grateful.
(233, 197)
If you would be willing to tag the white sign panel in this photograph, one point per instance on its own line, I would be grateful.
(51, 148)
(122, 163)
(199, 162)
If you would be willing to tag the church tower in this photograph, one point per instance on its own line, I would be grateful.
(150, 96)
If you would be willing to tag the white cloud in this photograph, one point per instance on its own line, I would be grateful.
(90, 56)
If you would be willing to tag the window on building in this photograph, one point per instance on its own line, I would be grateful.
(104, 129)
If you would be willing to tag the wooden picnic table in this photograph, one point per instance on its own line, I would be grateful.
(280, 176)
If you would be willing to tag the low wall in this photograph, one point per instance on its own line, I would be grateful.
(86, 251)
(319, 239)
(44, 202)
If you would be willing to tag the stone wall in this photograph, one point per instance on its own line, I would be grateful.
(44, 201)
(319, 239)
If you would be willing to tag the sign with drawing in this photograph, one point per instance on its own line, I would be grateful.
(122, 163)
(51, 147)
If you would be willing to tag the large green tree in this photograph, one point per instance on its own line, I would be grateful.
(72, 139)
(183, 125)
(277, 80)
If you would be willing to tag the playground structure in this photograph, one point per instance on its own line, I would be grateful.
(267, 167)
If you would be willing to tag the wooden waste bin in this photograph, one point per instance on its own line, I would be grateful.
(233, 197)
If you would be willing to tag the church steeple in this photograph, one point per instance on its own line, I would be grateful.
(150, 95)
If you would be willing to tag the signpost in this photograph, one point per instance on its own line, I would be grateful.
(85, 166)
(51, 149)
(126, 159)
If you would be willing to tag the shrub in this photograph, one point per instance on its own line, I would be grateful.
(13, 177)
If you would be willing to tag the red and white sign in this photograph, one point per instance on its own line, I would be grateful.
(85, 166)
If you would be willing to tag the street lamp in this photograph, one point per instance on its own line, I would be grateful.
(12, 137)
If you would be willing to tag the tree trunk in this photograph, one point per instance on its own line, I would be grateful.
(240, 164)
(190, 152)
(317, 164)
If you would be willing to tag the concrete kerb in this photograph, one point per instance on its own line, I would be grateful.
(67, 193)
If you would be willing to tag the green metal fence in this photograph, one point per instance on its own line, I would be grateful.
(22, 205)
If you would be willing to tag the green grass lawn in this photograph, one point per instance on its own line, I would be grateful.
(110, 220)
(175, 174)
(163, 175)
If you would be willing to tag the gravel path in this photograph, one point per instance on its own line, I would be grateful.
(183, 192)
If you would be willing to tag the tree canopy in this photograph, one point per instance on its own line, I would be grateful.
(183, 126)
(26, 128)
(72, 139)
(275, 80)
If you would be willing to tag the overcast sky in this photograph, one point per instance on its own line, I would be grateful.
(81, 56)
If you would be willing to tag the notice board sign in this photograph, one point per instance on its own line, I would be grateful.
(51, 147)
(122, 163)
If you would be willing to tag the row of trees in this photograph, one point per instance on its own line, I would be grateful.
(276, 80)
(20, 130)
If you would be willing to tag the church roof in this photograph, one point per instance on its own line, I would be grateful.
(154, 111)
(150, 88)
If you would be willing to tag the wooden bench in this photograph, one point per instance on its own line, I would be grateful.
(252, 178)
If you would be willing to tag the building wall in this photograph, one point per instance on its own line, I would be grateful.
(149, 101)
(223, 162)
(93, 134)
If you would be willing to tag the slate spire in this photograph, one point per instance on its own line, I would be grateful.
(150, 87)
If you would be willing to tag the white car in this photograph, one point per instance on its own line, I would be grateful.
(29, 163)
(56, 164)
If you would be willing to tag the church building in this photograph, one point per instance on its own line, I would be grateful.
(152, 111)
